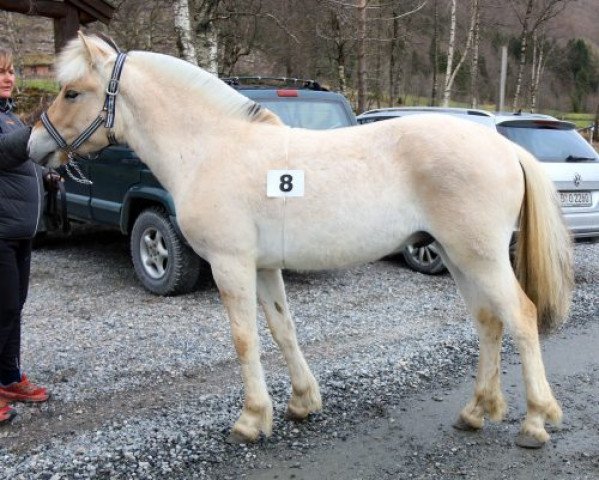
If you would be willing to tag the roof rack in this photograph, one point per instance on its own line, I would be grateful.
(274, 81)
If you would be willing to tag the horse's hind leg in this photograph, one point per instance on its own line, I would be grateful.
(305, 396)
(487, 399)
(236, 281)
(495, 297)
(541, 405)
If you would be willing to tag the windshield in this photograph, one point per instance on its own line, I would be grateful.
(551, 145)
(317, 115)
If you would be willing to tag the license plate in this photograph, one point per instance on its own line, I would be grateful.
(575, 199)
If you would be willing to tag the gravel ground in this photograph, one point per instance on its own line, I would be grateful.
(148, 387)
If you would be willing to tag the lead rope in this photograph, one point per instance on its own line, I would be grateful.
(76, 175)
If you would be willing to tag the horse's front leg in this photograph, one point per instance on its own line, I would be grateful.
(236, 281)
(305, 396)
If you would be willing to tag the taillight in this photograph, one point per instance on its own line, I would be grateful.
(546, 123)
(286, 92)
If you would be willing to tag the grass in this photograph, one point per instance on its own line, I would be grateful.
(46, 85)
(581, 120)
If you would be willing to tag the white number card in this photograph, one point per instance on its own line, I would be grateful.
(285, 183)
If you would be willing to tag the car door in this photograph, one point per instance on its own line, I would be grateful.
(77, 194)
(113, 172)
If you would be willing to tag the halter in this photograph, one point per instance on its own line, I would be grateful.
(107, 119)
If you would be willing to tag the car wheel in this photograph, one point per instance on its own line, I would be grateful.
(424, 259)
(164, 264)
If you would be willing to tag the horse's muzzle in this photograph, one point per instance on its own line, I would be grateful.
(42, 148)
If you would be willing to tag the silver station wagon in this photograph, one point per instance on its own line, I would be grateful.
(571, 162)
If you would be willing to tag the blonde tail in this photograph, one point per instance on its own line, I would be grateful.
(544, 247)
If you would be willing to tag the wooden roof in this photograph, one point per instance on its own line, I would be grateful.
(88, 10)
(68, 15)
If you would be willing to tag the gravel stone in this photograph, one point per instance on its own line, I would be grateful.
(148, 387)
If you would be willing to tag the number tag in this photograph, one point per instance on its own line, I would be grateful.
(285, 183)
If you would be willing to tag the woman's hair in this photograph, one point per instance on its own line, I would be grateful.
(5, 58)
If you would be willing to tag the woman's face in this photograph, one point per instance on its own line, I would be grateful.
(7, 80)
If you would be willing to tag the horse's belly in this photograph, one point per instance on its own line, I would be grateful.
(305, 245)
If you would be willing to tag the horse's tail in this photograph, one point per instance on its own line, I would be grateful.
(544, 249)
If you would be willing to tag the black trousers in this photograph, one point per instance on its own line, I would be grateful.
(15, 261)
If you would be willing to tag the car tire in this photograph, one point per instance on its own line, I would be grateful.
(164, 264)
(424, 259)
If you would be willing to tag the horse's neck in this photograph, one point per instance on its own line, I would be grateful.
(169, 128)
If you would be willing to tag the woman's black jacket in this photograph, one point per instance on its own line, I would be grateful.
(21, 186)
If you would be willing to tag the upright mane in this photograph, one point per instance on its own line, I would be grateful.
(73, 63)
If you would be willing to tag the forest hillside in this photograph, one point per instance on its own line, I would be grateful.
(389, 51)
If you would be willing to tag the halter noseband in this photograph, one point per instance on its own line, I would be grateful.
(108, 120)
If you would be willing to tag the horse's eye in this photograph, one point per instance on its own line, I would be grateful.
(71, 94)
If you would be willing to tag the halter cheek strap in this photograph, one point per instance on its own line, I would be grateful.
(106, 117)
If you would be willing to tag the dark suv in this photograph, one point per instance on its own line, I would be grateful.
(125, 194)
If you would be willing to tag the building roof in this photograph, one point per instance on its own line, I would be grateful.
(88, 10)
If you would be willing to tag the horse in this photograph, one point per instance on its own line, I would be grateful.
(254, 197)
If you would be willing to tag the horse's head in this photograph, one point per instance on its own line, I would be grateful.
(83, 70)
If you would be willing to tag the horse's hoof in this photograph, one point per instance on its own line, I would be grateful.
(528, 441)
(463, 425)
(236, 438)
(294, 417)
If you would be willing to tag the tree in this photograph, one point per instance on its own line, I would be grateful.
(450, 72)
(584, 72)
(185, 44)
(144, 25)
(475, 57)
(533, 16)
(361, 55)
(435, 54)
(540, 49)
(206, 33)
(340, 44)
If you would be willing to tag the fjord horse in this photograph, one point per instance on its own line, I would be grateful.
(254, 197)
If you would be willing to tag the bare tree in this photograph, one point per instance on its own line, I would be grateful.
(435, 54)
(145, 25)
(535, 14)
(185, 44)
(450, 53)
(524, 21)
(475, 57)
(206, 33)
(450, 72)
(340, 41)
(361, 55)
(539, 58)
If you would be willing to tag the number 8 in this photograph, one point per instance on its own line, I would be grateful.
(286, 184)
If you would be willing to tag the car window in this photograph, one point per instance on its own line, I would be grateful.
(549, 144)
(317, 115)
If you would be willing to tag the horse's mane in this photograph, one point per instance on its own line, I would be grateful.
(73, 64)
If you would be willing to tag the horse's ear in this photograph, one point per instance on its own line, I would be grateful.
(109, 40)
(94, 53)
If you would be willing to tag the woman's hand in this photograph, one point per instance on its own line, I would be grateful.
(52, 181)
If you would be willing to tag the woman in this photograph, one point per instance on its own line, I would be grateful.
(21, 199)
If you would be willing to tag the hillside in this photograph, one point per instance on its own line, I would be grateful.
(143, 25)
(581, 19)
